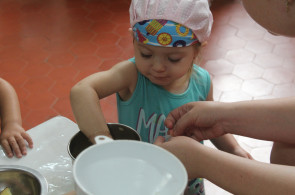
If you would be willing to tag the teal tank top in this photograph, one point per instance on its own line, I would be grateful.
(149, 105)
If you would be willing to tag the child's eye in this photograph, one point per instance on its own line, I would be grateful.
(174, 60)
(145, 55)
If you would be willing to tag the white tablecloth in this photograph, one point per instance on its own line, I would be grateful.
(49, 155)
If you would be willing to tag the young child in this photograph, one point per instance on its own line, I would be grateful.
(167, 37)
(13, 137)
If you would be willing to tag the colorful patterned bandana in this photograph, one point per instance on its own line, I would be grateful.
(164, 33)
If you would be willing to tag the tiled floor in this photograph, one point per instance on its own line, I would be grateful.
(47, 46)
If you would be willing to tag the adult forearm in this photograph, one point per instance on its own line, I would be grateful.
(242, 176)
(235, 174)
(262, 119)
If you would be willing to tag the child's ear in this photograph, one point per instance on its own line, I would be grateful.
(198, 48)
(130, 31)
(196, 52)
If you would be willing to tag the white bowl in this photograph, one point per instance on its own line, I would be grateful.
(128, 168)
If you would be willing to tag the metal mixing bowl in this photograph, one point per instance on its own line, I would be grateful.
(22, 180)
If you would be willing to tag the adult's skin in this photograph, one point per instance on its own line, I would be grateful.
(271, 120)
(267, 119)
(277, 16)
(262, 119)
(234, 174)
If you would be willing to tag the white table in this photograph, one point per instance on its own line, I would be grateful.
(49, 155)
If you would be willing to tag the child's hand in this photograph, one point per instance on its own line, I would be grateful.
(239, 151)
(12, 139)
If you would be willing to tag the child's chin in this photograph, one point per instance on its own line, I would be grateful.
(160, 82)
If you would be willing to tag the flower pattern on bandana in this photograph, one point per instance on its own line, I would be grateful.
(164, 33)
(164, 39)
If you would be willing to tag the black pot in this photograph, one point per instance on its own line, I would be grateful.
(80, 142)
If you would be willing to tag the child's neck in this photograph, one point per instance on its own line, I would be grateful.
(179, 86)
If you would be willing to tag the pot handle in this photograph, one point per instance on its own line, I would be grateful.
(101, 139)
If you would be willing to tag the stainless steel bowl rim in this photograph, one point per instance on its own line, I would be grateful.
(39, 176)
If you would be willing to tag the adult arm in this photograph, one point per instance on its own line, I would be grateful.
(262, 119)
(227, 142)
(232, 173)
(13, 137)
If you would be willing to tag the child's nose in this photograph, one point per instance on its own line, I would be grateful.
(158, 66)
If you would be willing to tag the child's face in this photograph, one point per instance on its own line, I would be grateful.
(164, 66)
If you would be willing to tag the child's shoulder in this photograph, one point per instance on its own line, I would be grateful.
(127, 72)
(124, 70)
(132, 60)
(200, 71)
(125, 65)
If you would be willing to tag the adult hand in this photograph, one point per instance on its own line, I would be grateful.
(188, 151)
(13, 138)
(199, 120)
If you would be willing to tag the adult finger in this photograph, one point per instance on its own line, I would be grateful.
(210, 133)
(170, 120)
(7, 148)
(185, 123)
(159, 141)
(198, 135)
(177, 114)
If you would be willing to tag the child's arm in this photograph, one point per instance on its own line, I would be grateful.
(86, 94)
(13, 136)
(227, 142)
